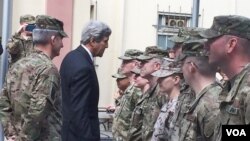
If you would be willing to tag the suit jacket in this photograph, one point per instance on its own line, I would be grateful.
(80, 96)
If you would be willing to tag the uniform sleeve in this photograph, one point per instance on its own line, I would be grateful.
(13, 45)
(246, 99)
(136, 94)
(5, 108)
(247, 112)
(207, 117)
(209, 123)
(5, 113)
(44, 94)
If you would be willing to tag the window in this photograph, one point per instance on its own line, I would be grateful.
(163, 42)
(168, 25)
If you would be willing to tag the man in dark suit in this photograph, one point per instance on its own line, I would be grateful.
(80, 88)
(1, 47)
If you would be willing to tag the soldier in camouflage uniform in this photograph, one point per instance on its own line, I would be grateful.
(129, 98)
(20, 44)
(140, 82)
(122, 82)
(148, 107)
(129, 62)
(184, 34)
(30, 104)
(231, 34)
(169, 82)
(187, 94)
(200, 116)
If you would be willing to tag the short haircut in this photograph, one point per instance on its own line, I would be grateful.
(95, 30)
(178, 74)
(43, 36)
(204, 67)
(244, 45)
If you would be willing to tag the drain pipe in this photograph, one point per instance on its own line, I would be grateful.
(6, 28)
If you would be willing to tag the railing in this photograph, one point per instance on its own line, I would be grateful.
(105, 120)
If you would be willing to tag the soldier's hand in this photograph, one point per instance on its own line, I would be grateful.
(12, 138)
(110, 109)
(22, 28)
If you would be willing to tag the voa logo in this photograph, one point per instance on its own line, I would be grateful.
(236, 132)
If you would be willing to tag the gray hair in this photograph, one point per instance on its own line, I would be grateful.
(95, 30)
(43, 36)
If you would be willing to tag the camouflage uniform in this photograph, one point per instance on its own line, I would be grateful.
(32, 100)
(30, 104)
(118, 99)
(198, 122)
(124, 112)
(126, 103)
(136, 129)
(234, 107)
(161, 127)
(130, 54)
(148, 107)
(17, 46)
(119, 75)
(199, 118)
(185, 34)
(151, 110)
(164, 119)
(187, 95)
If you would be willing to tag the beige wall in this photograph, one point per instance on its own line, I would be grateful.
(22, 7)
(110, 12)
(178, 6)
(81, 15)
(131, 22)
(212, 8)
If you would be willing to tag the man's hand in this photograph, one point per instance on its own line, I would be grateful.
(110, 109)
(22, 28)
(12, 138)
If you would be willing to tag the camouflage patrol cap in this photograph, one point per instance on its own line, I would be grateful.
(29, 19)
(131, 54)
(167, 62)
(193, 48)
(48, 22)
(153, 52)
(119, 75)
(186, 34)
(228, 25)
(167, 69)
